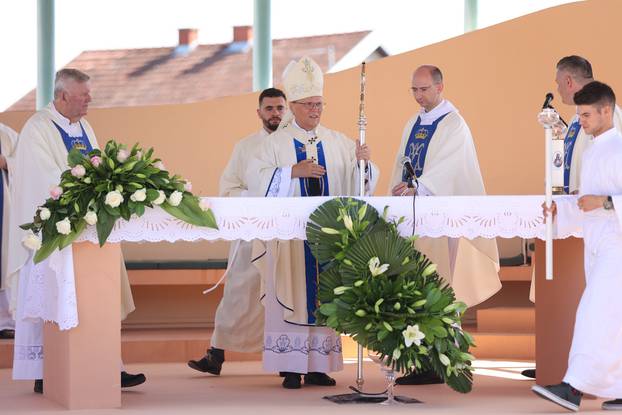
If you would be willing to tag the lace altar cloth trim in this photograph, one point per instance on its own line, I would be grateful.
(285, 218)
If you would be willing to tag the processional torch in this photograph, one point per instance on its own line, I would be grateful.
(554, 169)
(362, 165)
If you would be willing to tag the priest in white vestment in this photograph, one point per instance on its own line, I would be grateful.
(39, 159)
(595, 359)
(8, 139)
(239, 320)
(438, 145)
(303, 158)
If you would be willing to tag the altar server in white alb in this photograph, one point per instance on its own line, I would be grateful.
(40, 158)
(8, 139)
(438, 143)
(595, 359)
(304, 158)
(239, 321)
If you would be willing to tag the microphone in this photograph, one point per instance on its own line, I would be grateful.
(547, 101)
(547, 104)
(407, 166)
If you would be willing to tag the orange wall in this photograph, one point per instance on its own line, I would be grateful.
(496, 76)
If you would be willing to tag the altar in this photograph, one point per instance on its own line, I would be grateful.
(95, 279)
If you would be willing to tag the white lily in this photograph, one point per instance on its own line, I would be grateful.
(412, 335)
(375, 268)
(347, 221)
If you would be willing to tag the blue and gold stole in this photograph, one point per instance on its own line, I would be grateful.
(569, 142)
(312, 187)
(418, 143)
(81, 143)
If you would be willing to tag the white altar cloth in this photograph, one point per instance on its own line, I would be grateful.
(285, 219)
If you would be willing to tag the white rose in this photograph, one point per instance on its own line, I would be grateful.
(64, 226)
(114, 199)
(31, 241)
(139, 196)
(160, 199)
(90, 217)
(175, 198)
(205, 205)
(45, 214)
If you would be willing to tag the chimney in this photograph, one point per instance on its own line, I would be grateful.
(243, 34)
(188, 37)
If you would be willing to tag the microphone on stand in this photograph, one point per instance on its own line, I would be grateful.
(407, 167)
(547, 101)
(547, 104)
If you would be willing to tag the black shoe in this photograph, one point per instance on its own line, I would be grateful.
(210, 363)
(128, 380)
(291, 380)
(320, 379)
(562, 394)
(614, 405)
(420, 378)
(529, 373)
(38, 386)
(7, 334)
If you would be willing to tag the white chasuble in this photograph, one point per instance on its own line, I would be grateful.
(292, 341)
(39, 159)
(239, 321)
(451, 168)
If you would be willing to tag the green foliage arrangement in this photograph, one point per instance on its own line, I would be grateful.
(103, 186)
(377, 288)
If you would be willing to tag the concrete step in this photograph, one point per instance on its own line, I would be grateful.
(506, 320)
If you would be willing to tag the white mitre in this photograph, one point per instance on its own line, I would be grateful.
(303, 79)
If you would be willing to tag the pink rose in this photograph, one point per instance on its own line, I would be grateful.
(96, 161)
(139, 154)
(159, 165)
(55, 192)
(78, 171)
(188, 186)
(122, 155)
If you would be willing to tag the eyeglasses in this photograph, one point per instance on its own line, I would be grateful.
(311, 105)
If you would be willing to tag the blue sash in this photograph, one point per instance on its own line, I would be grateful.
(569, 142)
(417, 145)
(80, 143)
(312, 267)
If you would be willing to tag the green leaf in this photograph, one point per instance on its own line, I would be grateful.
(190, 212)
(46, 249)
(74, 157)
(104, 225)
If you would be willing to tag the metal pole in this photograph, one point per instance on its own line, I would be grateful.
(45, 52)
(262, 46)
(470, 15)
(548, 192)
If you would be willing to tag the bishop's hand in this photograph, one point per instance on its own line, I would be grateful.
(362, 152)
(307, 168)
(402, 189)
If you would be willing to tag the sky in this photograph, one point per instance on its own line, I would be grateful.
(402, 25)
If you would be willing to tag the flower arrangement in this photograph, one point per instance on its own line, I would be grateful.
(103, 186)
(375, 287)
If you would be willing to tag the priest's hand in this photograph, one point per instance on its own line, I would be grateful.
(402, 189)
(590, 202)
(307, 168)
(3, 165)
(362, 152)
(546, 211)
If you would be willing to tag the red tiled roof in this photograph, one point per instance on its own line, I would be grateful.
(133, 77)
